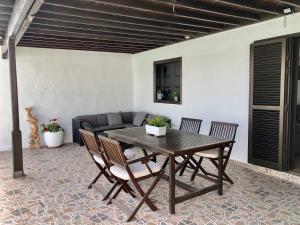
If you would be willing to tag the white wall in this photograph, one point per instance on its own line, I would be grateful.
(215, 77)
(63, 84)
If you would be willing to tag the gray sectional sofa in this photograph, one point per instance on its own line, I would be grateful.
(99, 123)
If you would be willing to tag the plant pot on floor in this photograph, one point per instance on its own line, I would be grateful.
(156, 131)
(54, 139)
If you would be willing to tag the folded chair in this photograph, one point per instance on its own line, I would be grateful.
(220, 130)
(132, 170)
(93, 146)
(192, 126)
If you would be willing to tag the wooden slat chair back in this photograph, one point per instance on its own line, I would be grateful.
(221, 130)
(190, 125)
(92, 145)
(113, 151)
(130, 170)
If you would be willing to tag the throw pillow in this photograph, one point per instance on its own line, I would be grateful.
(126, 117)
(114, 118)
(87, 126)
(139, 118)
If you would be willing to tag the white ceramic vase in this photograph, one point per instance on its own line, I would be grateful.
(54, 139)
(156, 131)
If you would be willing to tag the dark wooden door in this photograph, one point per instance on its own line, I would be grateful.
(267, 114)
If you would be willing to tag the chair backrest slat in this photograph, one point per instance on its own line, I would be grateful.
(223, 130)
(190, 125)
(90, 141)
(113, 151)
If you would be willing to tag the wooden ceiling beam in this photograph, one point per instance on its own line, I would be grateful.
(118, 36)
(133, 13)
(66, 43)
(71, 39)
(7, 3)
(76, 48)
(246, 4)
(80, 41)
(295, 3)
(4, 17)
(206, 8)
(164, 10)
(5, 10)
(20, 20)
(113, 24)
(58, 31)
(107, 30)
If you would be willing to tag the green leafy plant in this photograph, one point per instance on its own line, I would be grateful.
(51, 126)
(175, 94)
(159, 121)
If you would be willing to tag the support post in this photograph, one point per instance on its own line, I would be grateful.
(16, 132)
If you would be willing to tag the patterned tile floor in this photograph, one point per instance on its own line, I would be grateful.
(54, 192)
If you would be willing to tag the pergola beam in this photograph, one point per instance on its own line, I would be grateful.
(20, 20)
(295, 3)
(246, 4)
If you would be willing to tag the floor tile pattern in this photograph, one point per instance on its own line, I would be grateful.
(55, 192)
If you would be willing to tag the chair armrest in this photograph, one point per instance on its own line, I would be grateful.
(144, 159)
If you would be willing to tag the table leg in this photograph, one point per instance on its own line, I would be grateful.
(220, 171)
(172, 185)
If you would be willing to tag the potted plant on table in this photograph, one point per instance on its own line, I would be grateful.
(158, 126)
(53, 133)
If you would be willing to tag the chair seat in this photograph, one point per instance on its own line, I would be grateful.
(138, 170)
(129, 153)
(99, 160)
(212, 154)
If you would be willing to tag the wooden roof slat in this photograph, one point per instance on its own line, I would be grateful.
(5, 10)
(58, 31)
(166, 10)
(113, 24)
(90, 27)
(7, 3)
(212, 9)
(4, 17)
(295, 3)
(173, 19)
(246, 4)
(119, 19)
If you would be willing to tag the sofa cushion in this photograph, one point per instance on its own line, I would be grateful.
(126, 117)
(114, 118)
(102, 120)
(139, 118)
(87, 126)
(91, 119)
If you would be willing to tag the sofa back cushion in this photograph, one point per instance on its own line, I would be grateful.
(139, 118)
(102, 120)
(114, 118)
(127, 117)
(91, 119)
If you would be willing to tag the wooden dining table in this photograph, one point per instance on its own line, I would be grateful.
(174, 144)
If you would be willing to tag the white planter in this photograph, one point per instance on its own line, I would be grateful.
(54, 139)
(156, 131)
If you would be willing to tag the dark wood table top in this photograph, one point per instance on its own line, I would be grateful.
(175, 142)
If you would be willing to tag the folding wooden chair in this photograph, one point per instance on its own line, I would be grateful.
(133, 170)
(192, 126)
(220, 130)
(92, 145)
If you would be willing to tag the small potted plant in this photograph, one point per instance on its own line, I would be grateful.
(53, 133)
(175, 95)
(158, 126)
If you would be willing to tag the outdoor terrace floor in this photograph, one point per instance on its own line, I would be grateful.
(55, 192)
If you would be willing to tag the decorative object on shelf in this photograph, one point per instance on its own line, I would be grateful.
(53, 133)
(158, 126)
(175, 95)
(34, 137)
